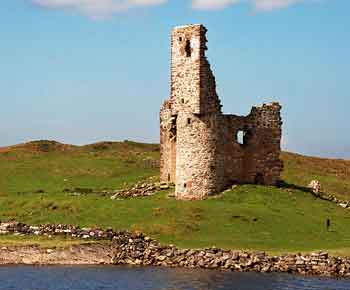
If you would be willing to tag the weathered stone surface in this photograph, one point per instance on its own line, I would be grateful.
(200, 150)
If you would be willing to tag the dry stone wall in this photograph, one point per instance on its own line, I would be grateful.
(200, 151)
(138, 249)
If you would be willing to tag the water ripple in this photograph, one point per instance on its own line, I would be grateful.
(125, 278)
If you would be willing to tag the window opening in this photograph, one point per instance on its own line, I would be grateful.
(243, 137)
(240, 137)
(188, 48)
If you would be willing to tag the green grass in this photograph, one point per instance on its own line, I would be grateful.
(249, 217)
(334, 174)
(42, 241)
(100, 166)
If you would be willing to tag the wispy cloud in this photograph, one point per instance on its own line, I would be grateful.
(105, 8)
(261, 5)
(96, 8)
(212, 4)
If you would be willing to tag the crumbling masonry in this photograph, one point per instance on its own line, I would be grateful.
(202, 150)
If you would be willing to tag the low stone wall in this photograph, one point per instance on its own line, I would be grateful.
(333, 198)
(140, 189)
(137, 249)
(316, 189)
(49, 230)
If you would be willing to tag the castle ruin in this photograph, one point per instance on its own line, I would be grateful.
(204, 151)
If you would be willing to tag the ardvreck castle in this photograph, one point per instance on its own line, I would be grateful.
(204, 151)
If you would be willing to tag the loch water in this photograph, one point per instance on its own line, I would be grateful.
(126, 278)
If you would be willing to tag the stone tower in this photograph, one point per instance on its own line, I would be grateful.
(199, 150)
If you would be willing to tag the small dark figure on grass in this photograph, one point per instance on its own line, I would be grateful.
(328, 224)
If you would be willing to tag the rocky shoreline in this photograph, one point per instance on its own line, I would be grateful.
(137, 249)
(85, 254)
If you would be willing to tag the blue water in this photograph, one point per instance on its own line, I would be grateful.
(124, 278)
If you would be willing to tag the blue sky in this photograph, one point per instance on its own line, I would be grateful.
(81, 71)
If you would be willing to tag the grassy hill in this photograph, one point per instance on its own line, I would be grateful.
(34, 176)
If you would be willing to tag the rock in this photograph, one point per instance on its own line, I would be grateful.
(315, 186)
(161, 258)
(138, 190)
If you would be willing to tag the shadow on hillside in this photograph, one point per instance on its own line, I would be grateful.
(283, 184)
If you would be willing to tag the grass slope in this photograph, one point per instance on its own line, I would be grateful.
(334, 174)
(247, 217)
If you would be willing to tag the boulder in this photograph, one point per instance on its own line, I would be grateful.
(315, 186)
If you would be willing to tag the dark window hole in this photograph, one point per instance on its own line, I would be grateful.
(188, 48)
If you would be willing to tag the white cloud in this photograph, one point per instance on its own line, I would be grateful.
(212, 4)
(262, 5)
(105, 8)
(274, 4)
(96, 8)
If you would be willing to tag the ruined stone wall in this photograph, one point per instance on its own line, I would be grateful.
(185, 90)
(262, 152)
(186, 52)
(196, 171)
(196, 107)
(257, 159)
(167, 144)
(231, 152)
(200, 152)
